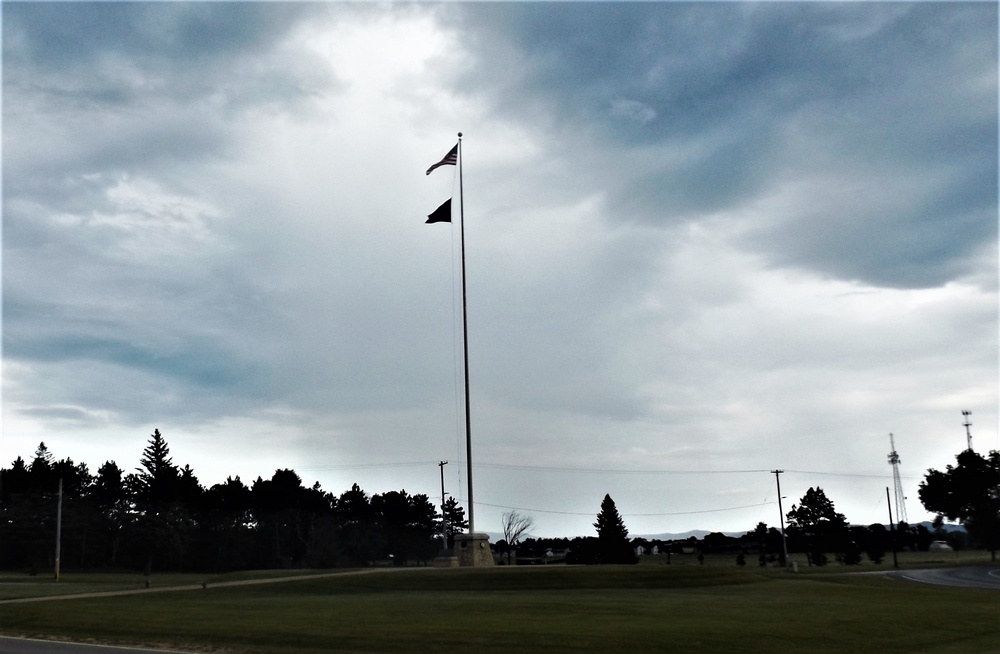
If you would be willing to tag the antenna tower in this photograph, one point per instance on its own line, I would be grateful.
(967, 424)
(900, 498)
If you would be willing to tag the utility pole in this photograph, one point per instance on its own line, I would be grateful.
(444, 516)
(967, 423)
(892, 529)
(59, 527)
(781, 516)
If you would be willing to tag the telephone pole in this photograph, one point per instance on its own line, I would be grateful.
(892, 529)
(444, 516)
(59, 528)
(781, 516)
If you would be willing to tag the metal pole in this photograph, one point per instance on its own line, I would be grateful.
(892, 530)
(465, 334)
(781, 516)
(967, 423)
(444, 516)
(59, 527)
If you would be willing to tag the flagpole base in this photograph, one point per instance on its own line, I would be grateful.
(446, 559)
(473, 550)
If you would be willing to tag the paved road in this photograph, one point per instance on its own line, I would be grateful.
(25, 646)
(963, 577)
(189, 587)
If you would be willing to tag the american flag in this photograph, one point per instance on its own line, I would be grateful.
(450, 159)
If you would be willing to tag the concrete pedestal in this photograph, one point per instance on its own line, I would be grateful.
(446, 559)
(473, 550)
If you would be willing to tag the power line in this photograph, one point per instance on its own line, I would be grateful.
(608, 471)
(627, 515)
(625, 471)
(613, 471)
(859, 475)
(363, 466)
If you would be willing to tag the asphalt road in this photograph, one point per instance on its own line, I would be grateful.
(24, 646)
(962, 577)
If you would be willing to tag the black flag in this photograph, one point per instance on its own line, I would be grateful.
(442, 214)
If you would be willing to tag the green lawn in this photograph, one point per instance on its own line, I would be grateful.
(646, 608)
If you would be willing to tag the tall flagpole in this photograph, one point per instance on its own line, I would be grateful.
(465, 335)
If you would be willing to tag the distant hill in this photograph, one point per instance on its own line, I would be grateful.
(697, 533)
(947, 527)
(701, 533)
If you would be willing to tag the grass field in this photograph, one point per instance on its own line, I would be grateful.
(645, 608)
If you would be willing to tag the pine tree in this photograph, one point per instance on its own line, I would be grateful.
(43, 477)
(163, 525)
(110, 496)
(156, 456)
(454, 516)
(43, 458)
(612, 536)
(157, 478)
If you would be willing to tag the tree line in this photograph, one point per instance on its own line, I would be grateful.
(160, 517)
(967, 492)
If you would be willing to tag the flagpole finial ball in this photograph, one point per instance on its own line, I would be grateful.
(459, 135)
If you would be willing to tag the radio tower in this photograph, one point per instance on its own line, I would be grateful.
(968, 434)
(900, 498)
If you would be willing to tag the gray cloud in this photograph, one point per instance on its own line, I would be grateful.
(700, 236)
(739, 100)
(81, 35)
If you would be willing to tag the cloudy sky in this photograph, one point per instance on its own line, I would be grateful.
(704, 241)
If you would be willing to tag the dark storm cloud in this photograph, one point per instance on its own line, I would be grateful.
(112, 266)
(727, 104)
(77, 35)
(213, 225)
(136, 84)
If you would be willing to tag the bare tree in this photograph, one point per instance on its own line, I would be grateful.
(515, 525)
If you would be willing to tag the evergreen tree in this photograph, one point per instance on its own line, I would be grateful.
(406, 525)
(422, 527)
(225, 526)
(612, 536)
(285, 513)
(15, 479)
(43, 477)
(111, 500)
(156, 482)
(878, 543)
(43, 458)
(164, 524)
(77, 511)
(454, 516)
(360, 537)
(27, 516)
(76, 478)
